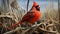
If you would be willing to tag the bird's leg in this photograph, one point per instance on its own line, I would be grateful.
(29, 25)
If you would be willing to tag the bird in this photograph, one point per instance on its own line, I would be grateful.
(31, 16)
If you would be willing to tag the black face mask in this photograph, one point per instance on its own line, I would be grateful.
(37, 8)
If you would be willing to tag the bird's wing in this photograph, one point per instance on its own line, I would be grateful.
(28, 16)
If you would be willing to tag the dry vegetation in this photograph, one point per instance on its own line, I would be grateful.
(49, 22)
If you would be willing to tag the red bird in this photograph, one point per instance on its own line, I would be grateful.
(32, 16)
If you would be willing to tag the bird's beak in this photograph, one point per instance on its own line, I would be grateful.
(39, 7)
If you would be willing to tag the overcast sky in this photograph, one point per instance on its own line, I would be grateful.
(42, 3)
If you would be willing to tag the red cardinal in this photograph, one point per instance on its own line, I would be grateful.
(32, 16)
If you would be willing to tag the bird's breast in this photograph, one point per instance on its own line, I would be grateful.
(37, 16)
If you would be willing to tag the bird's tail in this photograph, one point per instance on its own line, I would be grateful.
(17, 23)
(14, 25)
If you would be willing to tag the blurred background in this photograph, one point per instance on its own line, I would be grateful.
(12, 11)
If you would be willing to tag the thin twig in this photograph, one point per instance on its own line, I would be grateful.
(27, 4)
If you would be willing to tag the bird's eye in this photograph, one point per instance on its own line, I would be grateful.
(37, 7)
